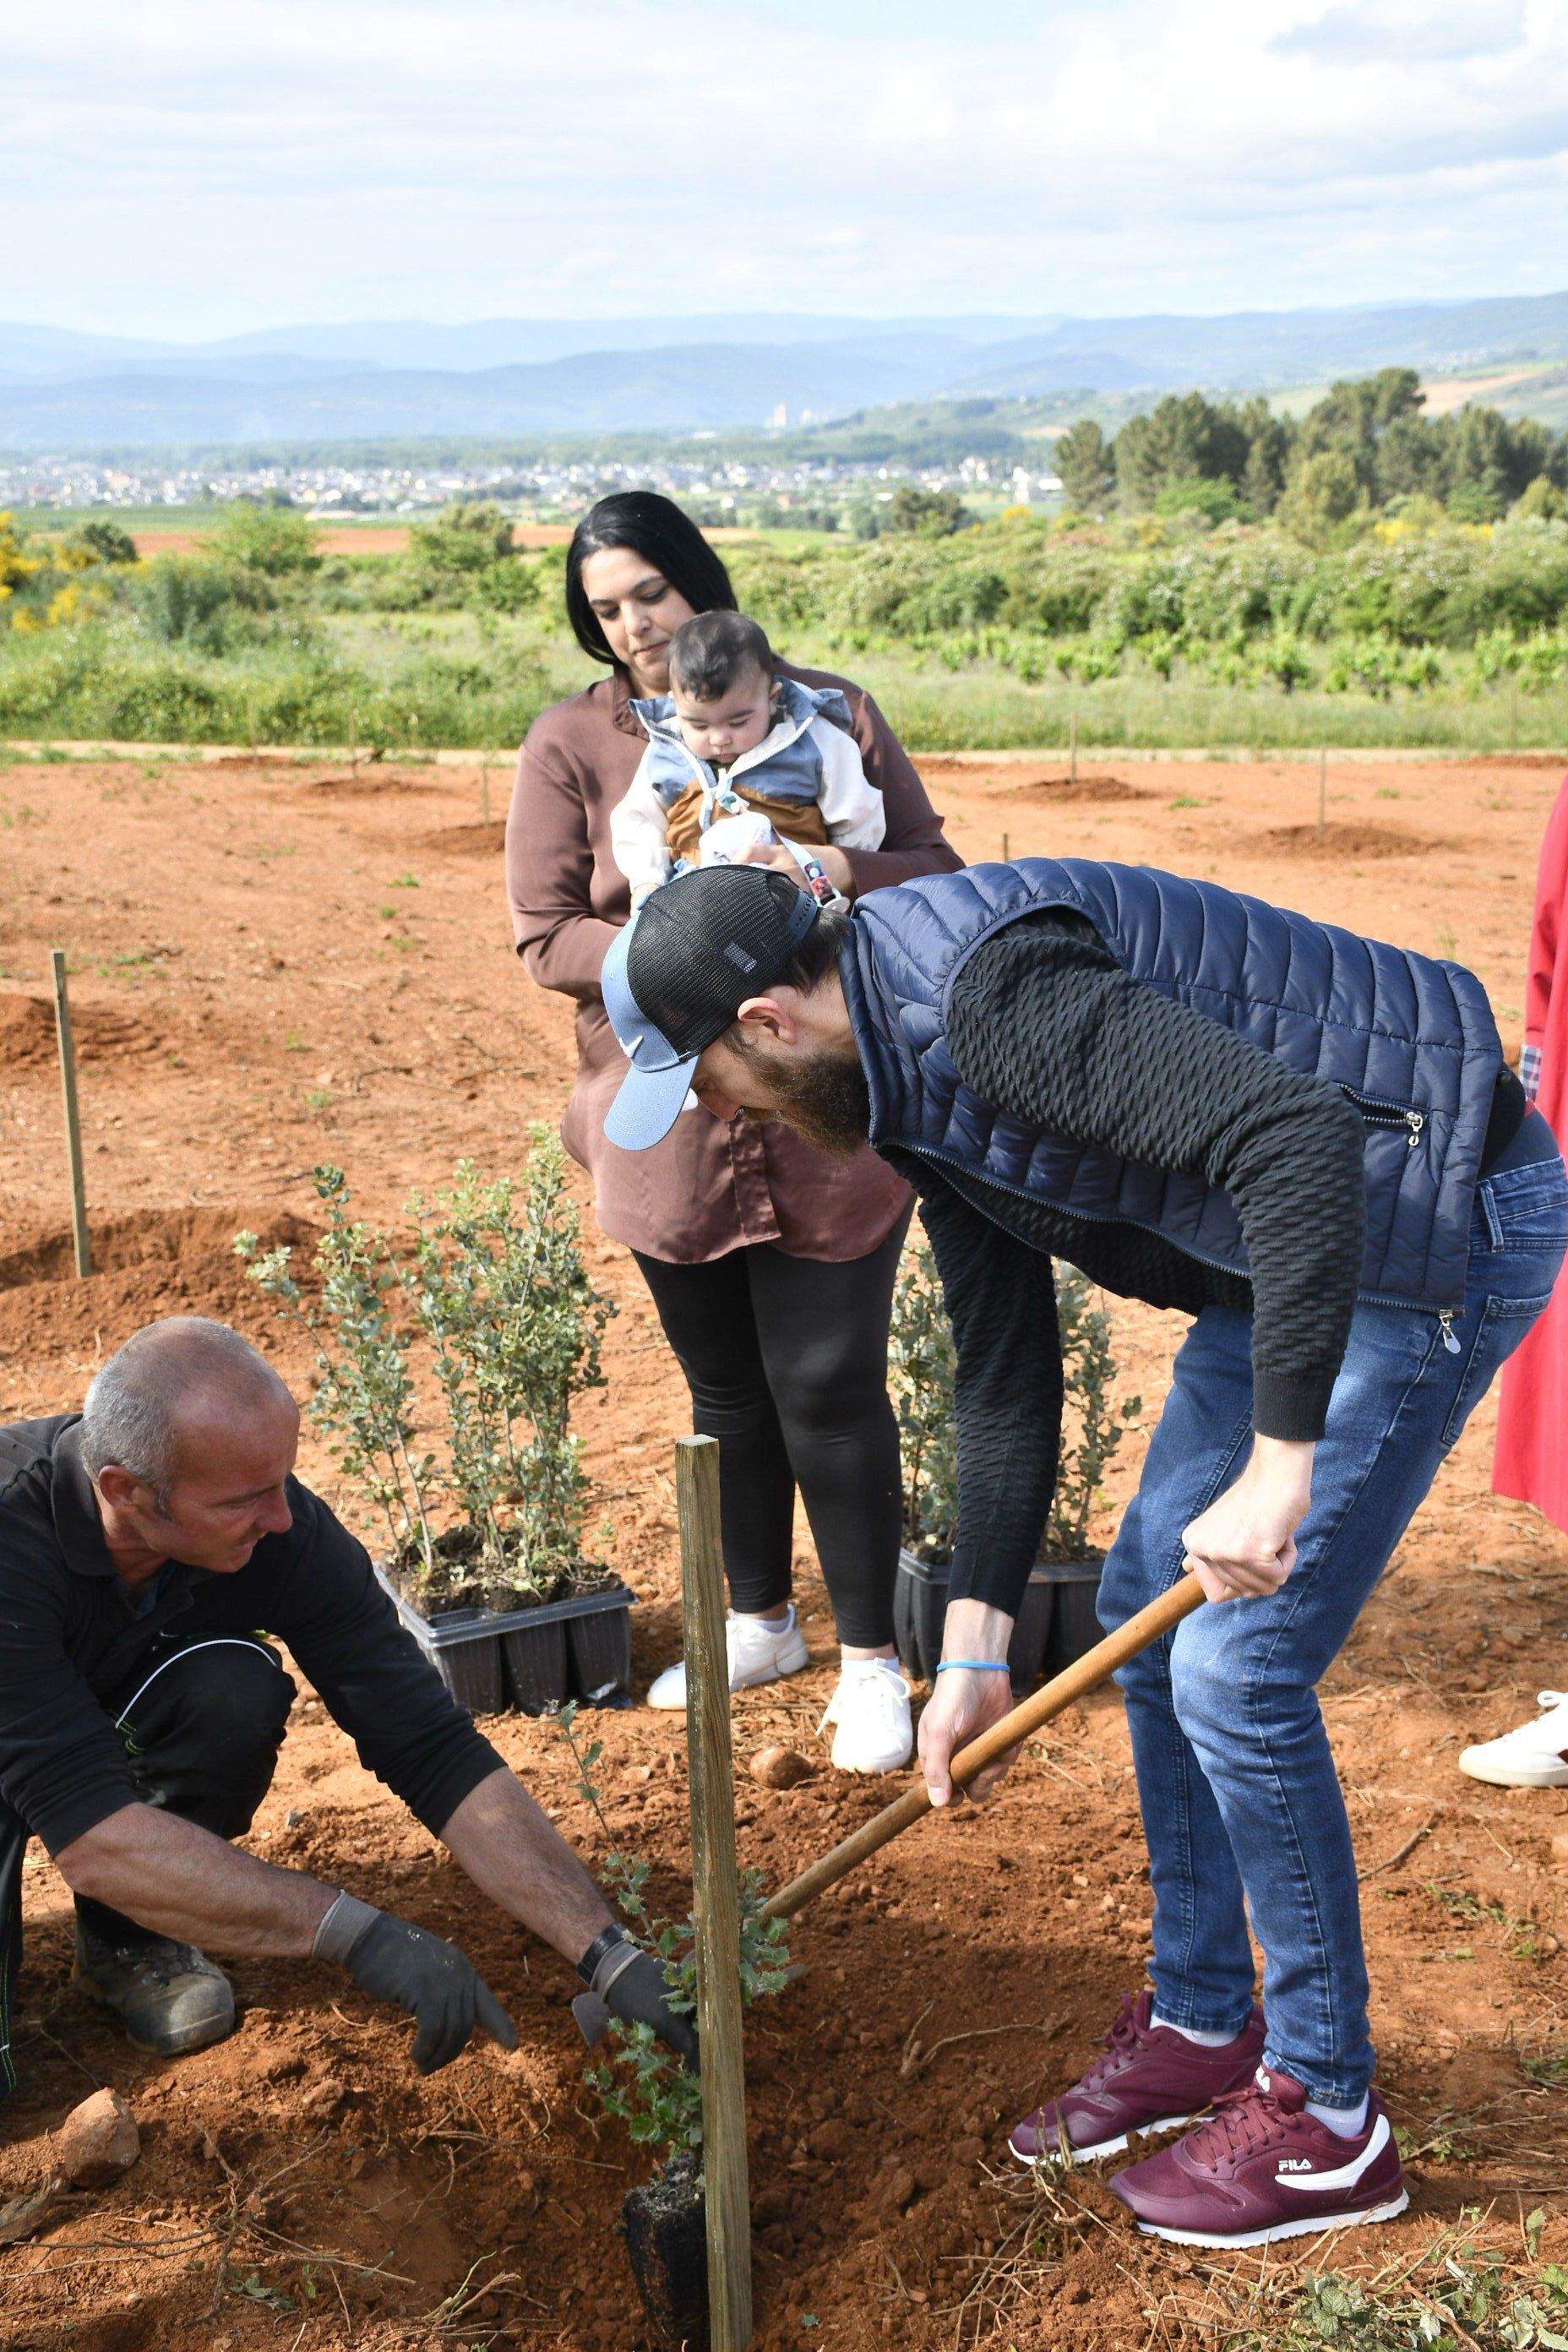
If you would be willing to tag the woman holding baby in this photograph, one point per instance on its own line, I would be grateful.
(771, 1264)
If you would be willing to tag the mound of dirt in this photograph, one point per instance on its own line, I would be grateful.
(1046, 791)
(1339, 840)
(466, 840)
(27, 1034)
(158, 1262)
(373, 784)
(153, 1238)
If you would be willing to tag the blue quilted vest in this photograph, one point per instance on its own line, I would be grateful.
(1410, 1041)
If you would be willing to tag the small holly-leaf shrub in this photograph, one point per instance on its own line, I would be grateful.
(922, 1369)
(482, 1328)
(643, 2084)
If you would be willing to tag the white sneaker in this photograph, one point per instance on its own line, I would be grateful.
(1534, 1757)
(760, 1651)
(871, 1706)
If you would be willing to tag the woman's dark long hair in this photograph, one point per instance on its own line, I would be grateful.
(656, 528)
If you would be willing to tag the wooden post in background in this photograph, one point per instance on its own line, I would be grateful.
(715, 1895)
(73, 1118)
(1006, 858)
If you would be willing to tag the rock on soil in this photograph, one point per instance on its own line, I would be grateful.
(780, 1767)
(97, 2142)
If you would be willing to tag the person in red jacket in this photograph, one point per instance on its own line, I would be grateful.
(1531, 1462)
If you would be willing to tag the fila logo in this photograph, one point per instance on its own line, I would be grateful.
(1344, 2176)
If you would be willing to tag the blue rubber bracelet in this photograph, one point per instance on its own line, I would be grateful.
(976, 1666)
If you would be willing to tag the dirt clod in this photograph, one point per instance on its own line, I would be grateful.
(97, 2142)
(780, 1767)
(324, 2101)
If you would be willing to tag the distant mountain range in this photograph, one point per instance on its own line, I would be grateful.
(62, 391)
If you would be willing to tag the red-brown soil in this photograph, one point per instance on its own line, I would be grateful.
(480, 840)
(1340, 842)
(1042, 792)
(299, 2187)
(28, 1041)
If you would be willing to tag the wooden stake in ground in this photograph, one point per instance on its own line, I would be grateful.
(1322, 792)
(1006, 859)
(715, 1889)
(73, 1117)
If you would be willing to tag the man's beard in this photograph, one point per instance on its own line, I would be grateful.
(822, 1096)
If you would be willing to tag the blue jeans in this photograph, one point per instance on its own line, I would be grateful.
(1242, 1809)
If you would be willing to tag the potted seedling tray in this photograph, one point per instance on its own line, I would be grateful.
(531, 1659)
(919, 1604)
(1075, 1600)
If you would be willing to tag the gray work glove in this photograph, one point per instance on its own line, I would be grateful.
(630, 1983)
(394, 1960)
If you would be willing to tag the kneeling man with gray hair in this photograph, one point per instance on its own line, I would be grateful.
(145, 1544)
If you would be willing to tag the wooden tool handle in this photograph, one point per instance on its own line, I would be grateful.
(1085, 1673)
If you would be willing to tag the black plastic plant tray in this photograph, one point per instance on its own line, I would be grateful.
(1056, 1624)
(1075, 1622)
(531, 1659)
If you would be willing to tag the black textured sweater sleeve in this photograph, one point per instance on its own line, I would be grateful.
(1002, 1303)
(1044, 1022)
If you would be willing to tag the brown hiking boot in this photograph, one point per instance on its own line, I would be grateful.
(169, 1997)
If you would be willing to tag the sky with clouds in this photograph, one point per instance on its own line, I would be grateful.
(184, 168)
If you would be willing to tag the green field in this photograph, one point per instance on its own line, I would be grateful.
(1189, 628)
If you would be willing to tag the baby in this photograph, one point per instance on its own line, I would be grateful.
(740, 758)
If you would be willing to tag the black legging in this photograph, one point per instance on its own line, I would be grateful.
(786, 1359)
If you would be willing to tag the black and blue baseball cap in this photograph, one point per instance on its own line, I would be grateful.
(679, 971)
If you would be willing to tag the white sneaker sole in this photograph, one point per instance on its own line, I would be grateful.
(1309, 2226)
(1100, 2148)
(892, 1764)
(1515, 1776)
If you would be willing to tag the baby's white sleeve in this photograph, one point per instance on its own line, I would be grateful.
(640, 838)
(851, 808)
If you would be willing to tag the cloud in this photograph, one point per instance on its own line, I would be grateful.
(181, 169)
(1396, 34)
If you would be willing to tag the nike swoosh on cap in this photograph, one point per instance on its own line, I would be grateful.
(1344, 2176)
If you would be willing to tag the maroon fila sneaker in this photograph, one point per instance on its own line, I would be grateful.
(1262, 2168)
(1150, 2079)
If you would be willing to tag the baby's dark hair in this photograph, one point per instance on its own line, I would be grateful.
(708, 653)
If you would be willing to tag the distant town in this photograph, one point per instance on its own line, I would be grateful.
(820, 493)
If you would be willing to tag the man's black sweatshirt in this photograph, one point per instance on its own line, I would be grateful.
(1044, 1024)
